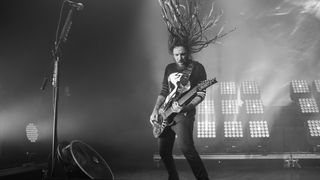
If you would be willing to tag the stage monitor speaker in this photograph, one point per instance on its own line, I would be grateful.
(78, 155)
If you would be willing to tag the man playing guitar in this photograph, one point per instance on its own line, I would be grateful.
(177, 82)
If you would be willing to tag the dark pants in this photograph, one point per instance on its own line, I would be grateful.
(183, 130)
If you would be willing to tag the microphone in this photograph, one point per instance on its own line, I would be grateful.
(78, 6)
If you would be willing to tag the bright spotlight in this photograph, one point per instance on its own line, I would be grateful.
(249, 90)
(308, 105)
(233, 129)
(259, 129)
(32, 132)
(206, 120)
(316, 90)
(314, 128)
(317, 85)
(230, 106)
(299, 89)
(313, 134)
(228, 89)
(254, 106)
(206, 129)
(206, 107)
(300, 86)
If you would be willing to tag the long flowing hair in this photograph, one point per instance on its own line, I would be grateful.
(187, 27)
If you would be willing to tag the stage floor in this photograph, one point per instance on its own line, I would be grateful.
(217, 174)
(229, 169)
(218, 170)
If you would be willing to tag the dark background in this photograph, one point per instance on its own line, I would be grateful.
(106, 90)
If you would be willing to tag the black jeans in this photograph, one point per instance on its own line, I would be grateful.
(184, 130)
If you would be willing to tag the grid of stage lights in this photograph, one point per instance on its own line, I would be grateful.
(308, 105)
(258, 129)
(32, 132)
(317, 84)
(233, 129)
(205, 120)
(249, 87)
(300, 86)
(206, 129)
(230, 107)
(254, 106)
(314, 128)
(228, 88)
(205, 107)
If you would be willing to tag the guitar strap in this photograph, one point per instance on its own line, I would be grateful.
(182, 86)
(185, 77)
(184, 80)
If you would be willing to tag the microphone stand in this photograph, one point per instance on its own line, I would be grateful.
(56, 53)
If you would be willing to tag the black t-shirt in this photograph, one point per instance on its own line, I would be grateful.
(173, 74)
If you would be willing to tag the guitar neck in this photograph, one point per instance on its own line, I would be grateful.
(203, 85)
(167, 113)
(187, 96)
(181, 101)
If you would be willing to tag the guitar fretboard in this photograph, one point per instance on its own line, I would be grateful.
(187, 96)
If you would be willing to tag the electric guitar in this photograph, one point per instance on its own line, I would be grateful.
(162, 122)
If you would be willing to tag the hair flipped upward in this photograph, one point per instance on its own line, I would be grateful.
(185, 26)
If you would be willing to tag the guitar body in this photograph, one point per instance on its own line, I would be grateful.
(161, 123)
(157, 129)
(165, 113)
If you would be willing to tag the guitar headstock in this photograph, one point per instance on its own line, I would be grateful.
(206, 83)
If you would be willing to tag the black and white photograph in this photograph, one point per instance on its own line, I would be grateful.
(160, 89)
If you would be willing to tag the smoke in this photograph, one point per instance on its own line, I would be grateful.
(275, 42)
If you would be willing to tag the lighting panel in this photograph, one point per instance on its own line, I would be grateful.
(230, 106)
(233, 129)
(249, 87)
(314, 128)
(317, 85)
(206, 120)
(32, 132)
(228, 88)
(308, 105)
(300, 86)
(206, 129)
(259, 129)
(254, 106)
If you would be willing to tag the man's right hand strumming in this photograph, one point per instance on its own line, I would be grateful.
(155, 112)
(154, 117)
